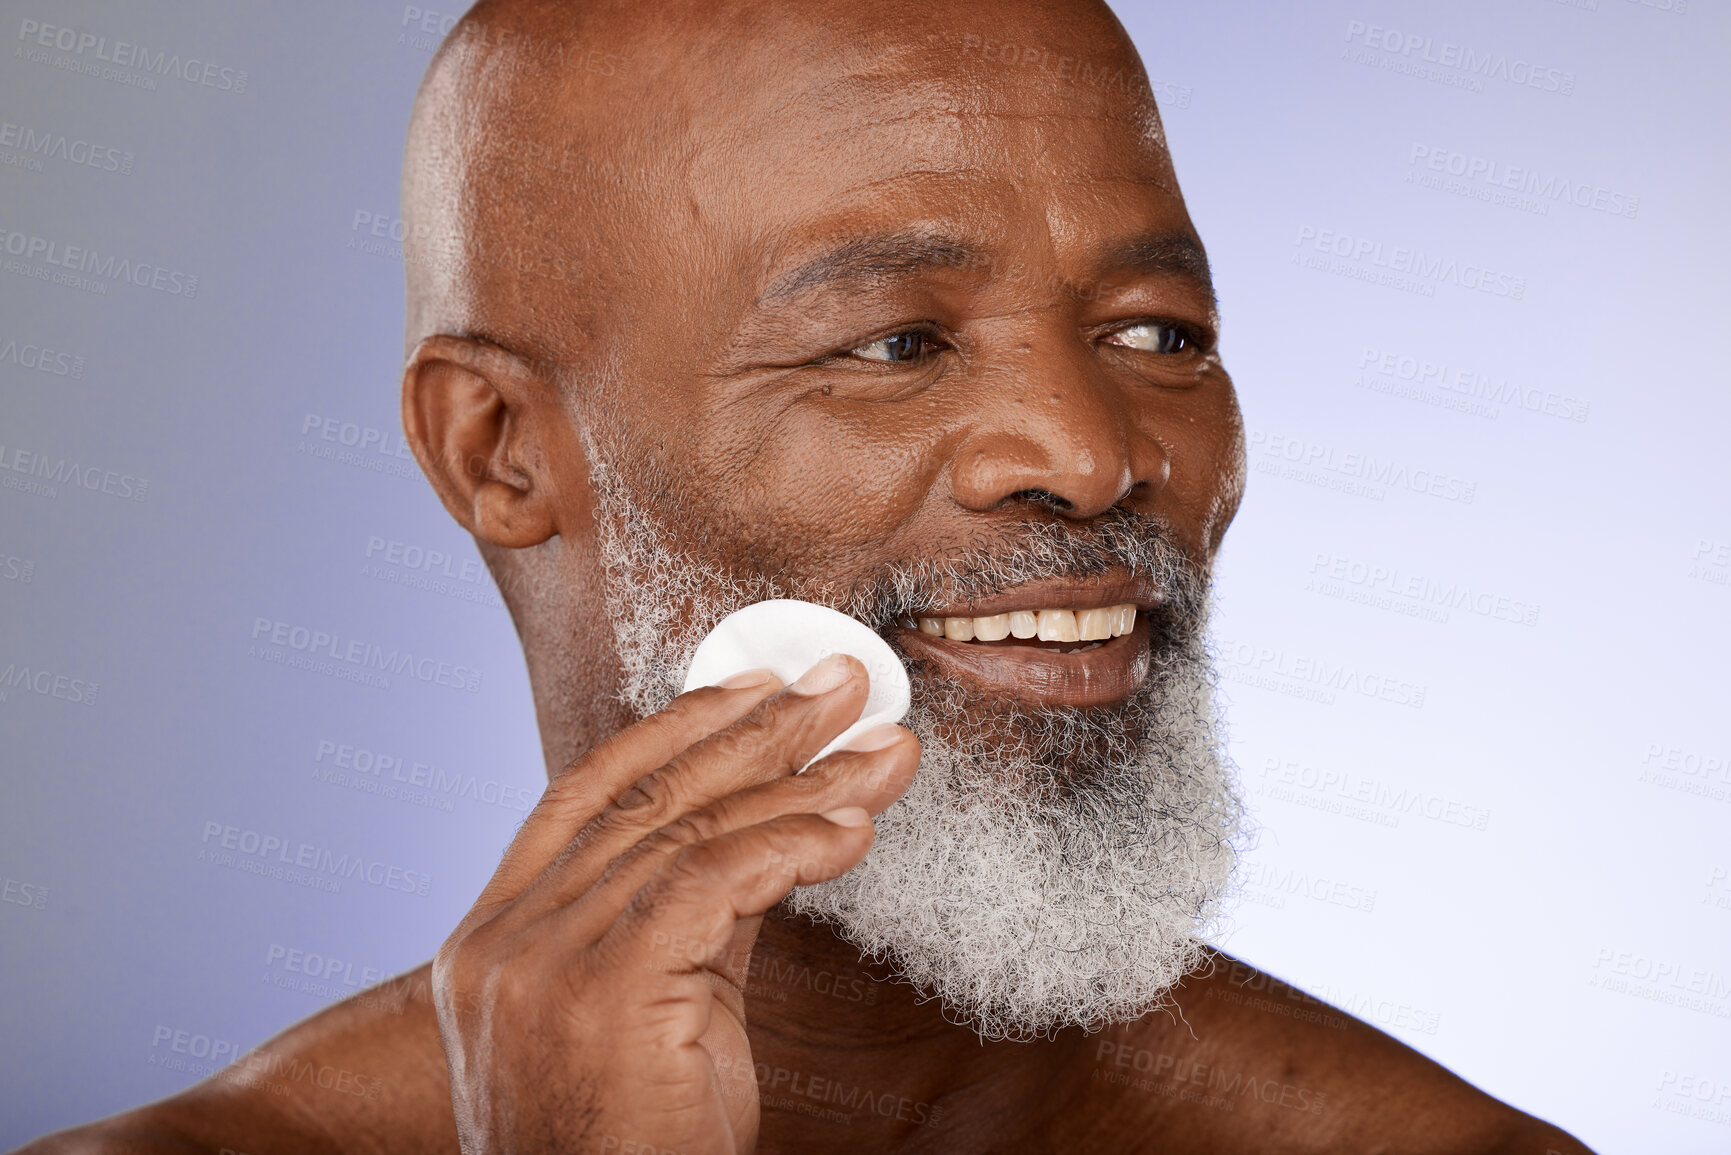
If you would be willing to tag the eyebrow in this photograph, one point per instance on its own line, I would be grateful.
(866, 259)
(872, 258)
(1164, 254)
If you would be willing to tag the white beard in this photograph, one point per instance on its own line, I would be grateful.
(1048, 867)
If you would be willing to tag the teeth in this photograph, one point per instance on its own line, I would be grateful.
(1095, 625)
(1058, 626)
(1090, 625)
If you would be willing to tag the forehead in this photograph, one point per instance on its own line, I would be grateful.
(957, 132)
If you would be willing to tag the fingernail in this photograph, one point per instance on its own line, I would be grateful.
(823, 677)
(875, 738)
(746, 678)
(848, 816)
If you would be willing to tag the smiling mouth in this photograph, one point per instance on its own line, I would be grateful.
(1063, 631)
(1064, 656)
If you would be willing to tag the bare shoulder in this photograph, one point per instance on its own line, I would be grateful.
(1247, 1062)
(366, 1075)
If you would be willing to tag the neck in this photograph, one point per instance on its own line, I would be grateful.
(813, 1005)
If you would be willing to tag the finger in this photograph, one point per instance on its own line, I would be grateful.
(773, 741)
(682, 921)
(871, 774)
(585, 787)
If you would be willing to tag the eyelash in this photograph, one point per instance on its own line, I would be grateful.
(1194, 341)
(928, 333)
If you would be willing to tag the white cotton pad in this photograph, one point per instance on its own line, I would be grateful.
(790, 637)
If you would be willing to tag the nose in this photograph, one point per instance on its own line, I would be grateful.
(1054, 433)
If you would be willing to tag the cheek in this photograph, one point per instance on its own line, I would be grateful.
(831, 480)
(1224, 489)
(1203, 435)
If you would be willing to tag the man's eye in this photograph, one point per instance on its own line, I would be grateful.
(910, 346)
(1153, 337)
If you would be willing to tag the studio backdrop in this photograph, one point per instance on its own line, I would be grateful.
(1474, 619)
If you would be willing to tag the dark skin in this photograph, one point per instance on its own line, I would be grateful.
(1013, 321)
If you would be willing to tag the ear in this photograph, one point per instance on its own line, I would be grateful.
(470, 414)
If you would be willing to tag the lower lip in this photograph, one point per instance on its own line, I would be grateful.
(1109, 673)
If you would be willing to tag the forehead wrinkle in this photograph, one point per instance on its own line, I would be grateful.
(976, 88)
(953, 114)
(960, 128)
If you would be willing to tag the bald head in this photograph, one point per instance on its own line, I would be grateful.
(566, 160)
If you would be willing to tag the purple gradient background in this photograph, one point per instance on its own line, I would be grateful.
(1512, 953)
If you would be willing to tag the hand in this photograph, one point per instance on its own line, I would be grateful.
(594, 997)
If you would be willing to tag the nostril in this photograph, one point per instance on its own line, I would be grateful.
(1044, 498)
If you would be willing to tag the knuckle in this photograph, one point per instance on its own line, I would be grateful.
(563, 789)
(464, 954)
(747, 744)
(690, 828)
(567, 773)
(460, 975)
(648, 801)
(801, 789)
(778, 736)
(454, 954)
(667, 841)
(695, 865)
(692, 710)
(687, 706)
